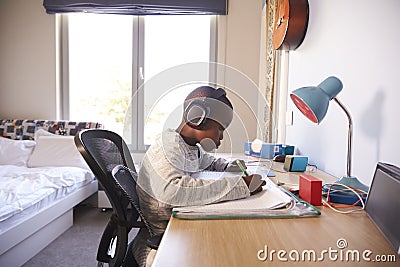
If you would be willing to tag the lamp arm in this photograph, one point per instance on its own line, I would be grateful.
(349, 136)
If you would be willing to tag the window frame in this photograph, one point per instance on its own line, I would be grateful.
(137, 103)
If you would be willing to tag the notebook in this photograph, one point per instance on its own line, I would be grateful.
(270, 198)
(383, 202)
(273, 202)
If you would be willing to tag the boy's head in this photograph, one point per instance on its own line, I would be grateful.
(207, 112)
(206, 103)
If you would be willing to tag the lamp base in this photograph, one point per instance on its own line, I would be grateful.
(351, 181)
(346, 197)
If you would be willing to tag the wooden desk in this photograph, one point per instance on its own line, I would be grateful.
(237, 242)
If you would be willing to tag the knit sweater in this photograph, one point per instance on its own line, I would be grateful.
(166, 180)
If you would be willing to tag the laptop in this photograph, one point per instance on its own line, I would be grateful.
(383, 202)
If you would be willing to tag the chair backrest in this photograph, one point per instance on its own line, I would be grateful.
(102, 151)
(109, 158)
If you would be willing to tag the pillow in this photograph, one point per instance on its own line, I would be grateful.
(56, 151)
(43, 132)
(15, 152)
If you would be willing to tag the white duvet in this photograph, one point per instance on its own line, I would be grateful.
(21, 187)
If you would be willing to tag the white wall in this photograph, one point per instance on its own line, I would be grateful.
(357, 41)
(27, 60)
(239, 48)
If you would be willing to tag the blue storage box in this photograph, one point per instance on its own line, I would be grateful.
(295, 163)
(287, 150)
(268, 150)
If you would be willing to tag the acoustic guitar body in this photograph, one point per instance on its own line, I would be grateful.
(290, 24)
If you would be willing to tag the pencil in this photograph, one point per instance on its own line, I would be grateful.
(242, 168)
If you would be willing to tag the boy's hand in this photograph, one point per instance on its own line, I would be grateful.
(254, 183)
(233, 167)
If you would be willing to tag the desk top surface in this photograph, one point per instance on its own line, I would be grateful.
(328, 240)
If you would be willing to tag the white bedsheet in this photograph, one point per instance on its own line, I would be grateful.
(21, 187)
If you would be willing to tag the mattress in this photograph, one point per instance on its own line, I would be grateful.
(23, 191)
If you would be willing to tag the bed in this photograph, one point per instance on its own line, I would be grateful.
(42, 177)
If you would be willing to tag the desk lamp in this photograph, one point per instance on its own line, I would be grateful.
(313, 102)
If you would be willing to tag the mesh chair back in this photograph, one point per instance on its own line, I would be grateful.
(103, 150)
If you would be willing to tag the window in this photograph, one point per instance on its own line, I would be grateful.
(100, 68)
(111, 58)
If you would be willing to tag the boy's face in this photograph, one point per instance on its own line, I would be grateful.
(212, 130)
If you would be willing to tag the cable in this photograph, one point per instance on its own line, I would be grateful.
(340, 211)
(354, 190)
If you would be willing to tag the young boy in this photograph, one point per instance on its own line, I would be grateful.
(166, 176)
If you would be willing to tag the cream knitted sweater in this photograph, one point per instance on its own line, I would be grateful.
(166, 180)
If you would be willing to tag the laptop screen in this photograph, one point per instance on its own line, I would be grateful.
(383, 202)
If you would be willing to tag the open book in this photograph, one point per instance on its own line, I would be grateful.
(271, 198)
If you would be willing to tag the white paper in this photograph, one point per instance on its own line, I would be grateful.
(270, 198)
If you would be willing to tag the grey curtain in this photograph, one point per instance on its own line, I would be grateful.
(138, 7)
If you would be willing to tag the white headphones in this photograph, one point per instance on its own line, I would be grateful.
(199, 109)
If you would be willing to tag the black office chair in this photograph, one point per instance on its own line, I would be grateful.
(109, 158)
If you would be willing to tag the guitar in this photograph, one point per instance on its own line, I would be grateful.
(290, 24)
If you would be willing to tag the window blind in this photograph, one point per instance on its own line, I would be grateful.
(138, 7)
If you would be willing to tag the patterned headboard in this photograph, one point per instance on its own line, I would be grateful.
(25, 129)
